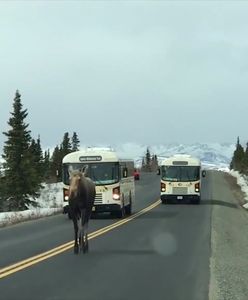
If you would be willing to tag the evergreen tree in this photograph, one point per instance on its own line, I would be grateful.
(56, 162)
(38, 160)
(237, 162)
(245, 161)
(58, 155)
(75, 142)
(143, 164)
(47, 165)
(148, 159)
(154, 163)
(3, 192)
(20, 184)
(66, 146)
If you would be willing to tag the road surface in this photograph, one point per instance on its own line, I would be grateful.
(162, 252)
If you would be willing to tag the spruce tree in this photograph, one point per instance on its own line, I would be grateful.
(154, 163)
(143, 165)
(237, 162)
(47, 165)
(66, 146)
(148, 159)
(56, 162)
(3, 192)
(38, 160)
(20, 184)
(75, 142)
(245, 161)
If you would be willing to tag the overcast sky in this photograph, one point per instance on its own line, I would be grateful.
(149, 72)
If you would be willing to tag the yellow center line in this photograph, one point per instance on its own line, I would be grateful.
(62, 248)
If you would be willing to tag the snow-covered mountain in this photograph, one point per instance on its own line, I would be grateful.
(212, 155)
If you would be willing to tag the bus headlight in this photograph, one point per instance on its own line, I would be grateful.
(66, 194)
(197, 187)
(163, 187)
(116, 196)
(116, 193)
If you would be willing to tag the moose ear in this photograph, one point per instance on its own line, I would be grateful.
(84, 170)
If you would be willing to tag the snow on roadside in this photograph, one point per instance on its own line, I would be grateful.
(51, 195)
(242, 181)
(50, 202)
(13, 217)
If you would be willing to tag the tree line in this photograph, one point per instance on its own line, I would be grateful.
(149, 162)
(25, 165)
(239, 160)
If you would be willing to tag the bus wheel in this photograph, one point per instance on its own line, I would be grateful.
(121, 213)
(128, 208)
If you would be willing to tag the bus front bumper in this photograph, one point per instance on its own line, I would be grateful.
(98, 208)
(180, 198)
(105, 208)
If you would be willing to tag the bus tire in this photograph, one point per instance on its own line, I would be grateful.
(121, 213)
(128, 208)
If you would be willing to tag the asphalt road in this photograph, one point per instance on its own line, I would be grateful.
(161, 254)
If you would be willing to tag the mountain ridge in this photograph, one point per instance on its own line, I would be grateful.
(217, 155)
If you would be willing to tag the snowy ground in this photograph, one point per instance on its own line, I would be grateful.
(51, 201)
(242, 181)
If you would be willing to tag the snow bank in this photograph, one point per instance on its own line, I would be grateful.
(7, 218)
(51, 196)
(242, 181)
(50, 202)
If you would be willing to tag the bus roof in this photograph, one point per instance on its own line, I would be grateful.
(181, 160)
(92, 155)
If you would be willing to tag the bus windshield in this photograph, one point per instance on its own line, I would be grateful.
(180, 173)
(100, 173)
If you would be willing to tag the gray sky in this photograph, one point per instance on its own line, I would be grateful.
(149, 72)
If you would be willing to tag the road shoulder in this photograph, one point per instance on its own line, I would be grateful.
(229, 241)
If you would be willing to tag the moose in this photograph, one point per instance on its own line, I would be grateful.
(81, 200)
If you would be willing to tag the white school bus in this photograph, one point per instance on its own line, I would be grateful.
(113, 178)
(181, 179)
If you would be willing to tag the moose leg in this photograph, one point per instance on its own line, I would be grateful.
(86, 223)
(74, 219)
(82, 235)
(86, 237)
